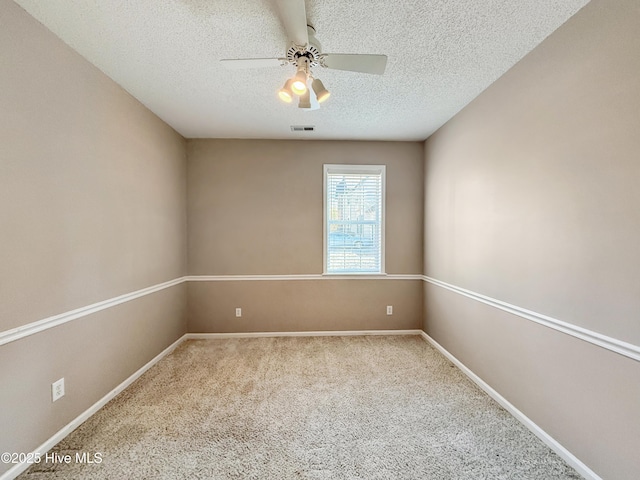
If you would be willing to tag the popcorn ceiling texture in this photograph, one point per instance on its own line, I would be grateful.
(305, 408)
(442, 54)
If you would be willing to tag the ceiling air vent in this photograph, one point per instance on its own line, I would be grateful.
(302, 128)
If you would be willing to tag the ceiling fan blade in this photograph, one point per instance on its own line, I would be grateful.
(356, 62)
(241, 63)
(293, 15)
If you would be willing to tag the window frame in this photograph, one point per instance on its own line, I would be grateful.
(329, 168)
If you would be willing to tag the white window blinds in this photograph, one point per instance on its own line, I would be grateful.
(354, 218)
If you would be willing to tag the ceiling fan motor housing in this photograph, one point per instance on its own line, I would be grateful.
(311, 50)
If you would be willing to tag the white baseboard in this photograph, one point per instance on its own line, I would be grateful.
(75, 423)
(328, 333)
(552, 443)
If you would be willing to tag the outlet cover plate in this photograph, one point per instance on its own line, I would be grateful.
(57, 390)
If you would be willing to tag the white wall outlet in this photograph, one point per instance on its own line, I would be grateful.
(389, 309)
(57, 390)
(238, 312)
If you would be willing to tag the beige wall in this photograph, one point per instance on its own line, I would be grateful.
(532, 198)
(94, 354)
(255, 208)
(92, 206)
(304, 305)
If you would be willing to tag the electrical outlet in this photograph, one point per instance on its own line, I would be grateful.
(389, 309)
(57, 390)
(238, 312)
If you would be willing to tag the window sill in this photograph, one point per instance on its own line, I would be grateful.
(353, 275)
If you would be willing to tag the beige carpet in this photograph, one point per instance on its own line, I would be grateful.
(305, 408)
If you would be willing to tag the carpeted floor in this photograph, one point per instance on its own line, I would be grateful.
(304, 408)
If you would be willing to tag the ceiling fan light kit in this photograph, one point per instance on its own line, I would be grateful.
(305, 100)
(321, 93)
(299, 81)
(305, 54)
(285, 93)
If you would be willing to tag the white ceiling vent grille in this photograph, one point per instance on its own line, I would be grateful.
(302, 128)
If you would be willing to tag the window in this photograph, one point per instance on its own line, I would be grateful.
(354, 219)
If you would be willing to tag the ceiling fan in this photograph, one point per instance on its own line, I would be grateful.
(305, 53)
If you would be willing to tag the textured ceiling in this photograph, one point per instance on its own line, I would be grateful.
(441, 55)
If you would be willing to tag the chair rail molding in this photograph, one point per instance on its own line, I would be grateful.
(32, 328)
(55, 320)
(613, 344)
